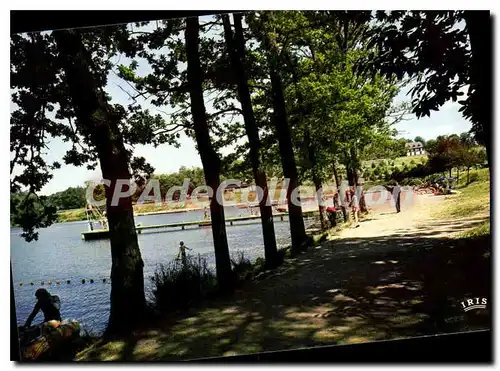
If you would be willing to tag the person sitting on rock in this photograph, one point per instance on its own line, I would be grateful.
(48, 304)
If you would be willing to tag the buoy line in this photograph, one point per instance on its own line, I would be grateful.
(63, 282)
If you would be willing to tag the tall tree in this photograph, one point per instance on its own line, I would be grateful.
(260, 27)
(209, 157)
(102, 122)
(58, 82)
(236, 50)
(182, 90)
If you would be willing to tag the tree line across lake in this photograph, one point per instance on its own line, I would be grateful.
(296, 93)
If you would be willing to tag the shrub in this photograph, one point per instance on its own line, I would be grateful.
(242, 267)
(177, 286)
(412, 162)
(474, 177)
(373, 166)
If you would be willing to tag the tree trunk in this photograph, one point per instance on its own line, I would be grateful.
(354, 166)
(323, 217)
(236, 49)
(468, 169)
(209, 157)
(449, 170)
(337, 187)
(102, 125)
(325, 224)
(335, 174)
(479, 29)
(297, 227)
(350, 175)
(361, 196)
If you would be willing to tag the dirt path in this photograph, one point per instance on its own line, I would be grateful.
(414, 218)
(397, 275)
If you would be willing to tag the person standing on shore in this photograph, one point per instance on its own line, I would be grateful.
(182, 253)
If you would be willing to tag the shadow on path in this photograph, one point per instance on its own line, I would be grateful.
(349, 290)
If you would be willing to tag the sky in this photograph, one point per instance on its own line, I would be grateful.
(166, 158)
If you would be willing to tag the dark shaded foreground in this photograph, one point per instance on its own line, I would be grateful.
(343, 292)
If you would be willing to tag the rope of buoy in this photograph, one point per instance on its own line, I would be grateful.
(59, 282)
(68, 281)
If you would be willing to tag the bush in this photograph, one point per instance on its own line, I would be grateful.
(382, 165)
(178, 287)
(474, 177)
(373, 165)
(242, 267)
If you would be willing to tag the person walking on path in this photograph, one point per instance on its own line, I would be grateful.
(396, 193)
(354, 204)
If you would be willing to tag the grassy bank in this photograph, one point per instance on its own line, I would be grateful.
(471, 200)
(71, 215)
(398, 161)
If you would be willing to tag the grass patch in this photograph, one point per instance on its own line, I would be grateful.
(472, 200)
(320, 238)
(481, 230)
(152, 208)
(475, 175)
(71, 215)
(398, 161)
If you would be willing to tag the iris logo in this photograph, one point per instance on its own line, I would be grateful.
(476, 303)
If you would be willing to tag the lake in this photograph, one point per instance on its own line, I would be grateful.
(61, 254)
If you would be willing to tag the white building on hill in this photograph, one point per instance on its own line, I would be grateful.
(414, 149)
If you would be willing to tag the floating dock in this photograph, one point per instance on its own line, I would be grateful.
(104, 233)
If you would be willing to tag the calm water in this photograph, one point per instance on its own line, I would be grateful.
(61, 254)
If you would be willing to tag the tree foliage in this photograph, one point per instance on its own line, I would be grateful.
(440, 50)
